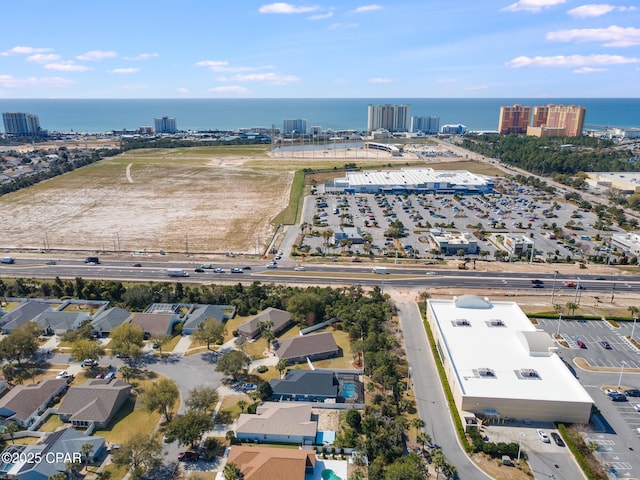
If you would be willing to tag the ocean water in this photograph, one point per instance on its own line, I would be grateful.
(103, 115)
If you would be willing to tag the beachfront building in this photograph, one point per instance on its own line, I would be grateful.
(514, 119)
(165, 125)
(21, 124)
(458, 129)
(570, 118)
(297, 126)
(500, 367)
(424, 180)
(424, 124)
(394, 118)
(626, 182)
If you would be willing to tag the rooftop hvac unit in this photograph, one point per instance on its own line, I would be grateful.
(485, 372)
(528, 372)
(496, 322)
(462, 322)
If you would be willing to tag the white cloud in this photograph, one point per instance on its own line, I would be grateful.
(570, 61)
(534, 6)
(589, 70)
(24, 51)
(612, 36)
(96, 55)
(9, 81)
(182, 90)
(121, 71)
(234, 89)
(272, 78)
(143, 56)
(367, 8)
(597, 10)
(67, 66)
(321, 16)
(43, 58)
(223, 66)
(342, 26)
(380, 80)
(281, 7)
(475, 88)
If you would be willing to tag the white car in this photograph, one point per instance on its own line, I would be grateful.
(272, 265)
(63, 374)
(299, 269)
(637, 407)
(431, 272)
(543, 436)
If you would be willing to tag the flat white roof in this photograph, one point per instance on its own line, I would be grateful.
(414, 176)
(631, 178)
(500, 339)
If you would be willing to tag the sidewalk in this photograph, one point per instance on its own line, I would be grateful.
(182, 346)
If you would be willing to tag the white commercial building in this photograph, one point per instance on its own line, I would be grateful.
(629, 243)
(499, 366)
(450, 243)
(405, 180)
(517, 244)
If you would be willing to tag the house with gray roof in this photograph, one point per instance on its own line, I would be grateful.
(27, 402)
(156, 323)
(312, 347)
(200, 313)
(104, 322)
(59, 322)
(280, 319)
(21, 314)
(94, 402)
(55, 451)
(306, 386)
(276, 422)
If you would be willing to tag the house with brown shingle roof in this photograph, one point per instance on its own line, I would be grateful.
(96, 401)
(280, 319)
(313, 347)
(276, 422)
(27, 402)
(268, 463)
(156, 323)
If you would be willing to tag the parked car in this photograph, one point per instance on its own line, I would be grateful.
(188, 457)
(618, 397)
(632, 392)
(557, 439)
(636, 407)
(110, 376)
(581, 344)
(605, 345)
(63, 374)
(89, 362)
(543, 436)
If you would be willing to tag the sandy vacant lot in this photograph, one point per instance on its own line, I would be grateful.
(203, 200)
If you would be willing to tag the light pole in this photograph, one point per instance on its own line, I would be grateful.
(621, 372)
(575, 297)
(559, 321)
(553, 289)
(520, 447)
(633, 329)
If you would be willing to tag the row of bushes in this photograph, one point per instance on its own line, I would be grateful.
(495, 450)
(580, 452)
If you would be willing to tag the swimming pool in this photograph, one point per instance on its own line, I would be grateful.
(329, 475)
(349, 391)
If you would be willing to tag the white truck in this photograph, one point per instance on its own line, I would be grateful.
(177, 272)
(380, 270)
(7, 260)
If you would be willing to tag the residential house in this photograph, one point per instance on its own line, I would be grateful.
(21, 314)
(200, 313)
(153, 324)
(94, 402)
(280, 319)
(306, 386)
(268, 463)
(58, 323)
(276, 422)
(104, 322)
(308, 347)
(27, 402)
(57, 449)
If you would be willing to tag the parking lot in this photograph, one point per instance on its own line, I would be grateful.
(512, 210)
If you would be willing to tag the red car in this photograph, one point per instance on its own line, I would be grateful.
(581, 344)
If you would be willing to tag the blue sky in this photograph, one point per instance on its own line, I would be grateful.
(317, 49)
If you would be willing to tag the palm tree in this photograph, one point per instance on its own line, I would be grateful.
(633, 310)
(423, 438)
(12, 429)
(572, 307)
(417, 423)
(231, 471)
(281, 366)
(242, 404)
(85, 451)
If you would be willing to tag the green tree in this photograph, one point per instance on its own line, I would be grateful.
(21, 343)
(202, 399)
(633, 310)
(281, 366)
(161, 397)
(242, 404)
(85, 330)
(264, 391)
(140, 453)
(126, 371)
(85, 451)
(233, 362)
(267, 332)
(231, 471)
(59, 476)
(83, 348)
(11, 430)
(210, 331)
(572, 307)
(127, 340)
(408, 467)
(418, 424)
(354, 420)
(188, 428)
